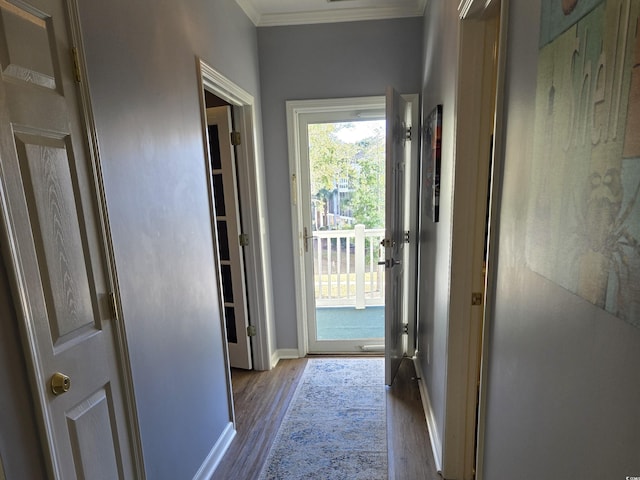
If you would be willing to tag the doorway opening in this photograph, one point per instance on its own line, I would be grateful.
(337, 146)
(324, 204)
(222, 157)
(216, 90)
(347, 213)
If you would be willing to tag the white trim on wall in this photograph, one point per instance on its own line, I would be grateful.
(253, 209)
(408, 9)
(215, 455)
(284, 354)
(432, 426)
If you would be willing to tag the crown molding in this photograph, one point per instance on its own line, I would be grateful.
(249, 10)
(331, 16)
(474, 8)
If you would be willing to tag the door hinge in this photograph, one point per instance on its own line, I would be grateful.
(235, 138)
(244, 239)
(408, 134)
(113, 305)
(251, 331)
(476, 298)
(405, 329)
(76, 64)
(407, 236)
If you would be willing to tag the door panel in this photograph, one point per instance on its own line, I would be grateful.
(396, 151)
(94, 457)
(49, 209)
(32, 61)
(50, 193)
(227, 208)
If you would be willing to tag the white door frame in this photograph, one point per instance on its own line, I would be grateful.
(492, 234)
(252, 192)
(475, 94)
(297, 112)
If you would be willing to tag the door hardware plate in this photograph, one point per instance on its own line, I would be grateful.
(476, 298)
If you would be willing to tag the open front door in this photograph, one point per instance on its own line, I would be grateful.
(225, 192)
(396, 153)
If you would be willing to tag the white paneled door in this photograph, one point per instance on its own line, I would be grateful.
(53, 239)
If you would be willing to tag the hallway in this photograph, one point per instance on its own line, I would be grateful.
(261, 400)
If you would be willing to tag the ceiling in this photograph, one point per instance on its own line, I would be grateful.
(266, 13)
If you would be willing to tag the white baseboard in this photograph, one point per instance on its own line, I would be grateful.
(436, 444)
(215, 455)
(283, 354)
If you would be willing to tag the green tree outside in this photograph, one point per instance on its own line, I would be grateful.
(357, 165)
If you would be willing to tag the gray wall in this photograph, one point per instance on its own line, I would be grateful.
(563, 387)
(438, 87)
(142, 69)
(315, 62)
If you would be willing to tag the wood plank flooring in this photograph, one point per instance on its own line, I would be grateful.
(261, 400)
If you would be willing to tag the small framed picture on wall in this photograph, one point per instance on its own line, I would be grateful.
(431, 163)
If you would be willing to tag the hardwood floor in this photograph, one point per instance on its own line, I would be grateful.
(261, 400)
(410, 453)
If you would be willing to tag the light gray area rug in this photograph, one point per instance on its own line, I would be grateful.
(335, 426)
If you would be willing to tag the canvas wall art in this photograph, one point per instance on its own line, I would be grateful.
(583, 225)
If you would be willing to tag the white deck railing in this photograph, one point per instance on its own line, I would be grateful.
(346, 269)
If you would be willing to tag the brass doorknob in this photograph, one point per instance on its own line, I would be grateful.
(60, 383)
